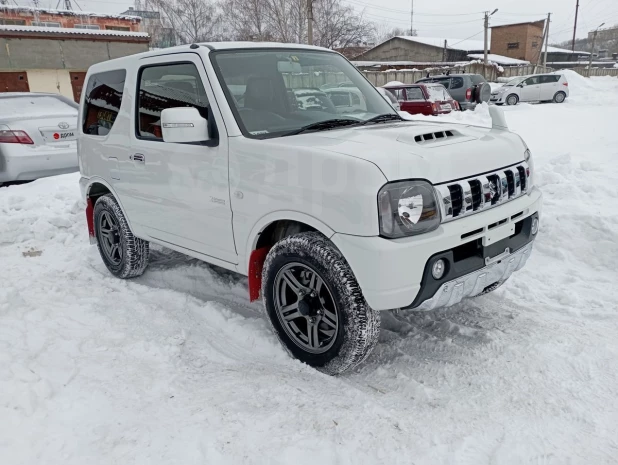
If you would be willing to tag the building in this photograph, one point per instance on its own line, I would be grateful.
(11, 15)
(55, 59)
(524, 41)
(422, 49)
(152, 23)
(606, 34)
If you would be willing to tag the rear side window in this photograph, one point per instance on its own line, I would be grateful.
(414, 93)
(456, 83)
(446, 82)
(477, 79)
(102, 101)
(167, 86)
(549, 79)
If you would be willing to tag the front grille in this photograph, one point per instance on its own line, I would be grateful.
(479, 193)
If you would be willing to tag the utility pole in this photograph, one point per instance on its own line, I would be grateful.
(444, 52)
(543, 39)
(310, 22)
(486, 25)
(68, 5)
(594, 38)
(412, 18)
(546, 40)
(575, 26)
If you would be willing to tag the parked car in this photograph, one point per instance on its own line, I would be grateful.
(425, 99)
(468, 89)
(37, 136)
(538, 88)
(347, 99)
(336, 84)
(389, 97)
(312, 99)
(333, 217)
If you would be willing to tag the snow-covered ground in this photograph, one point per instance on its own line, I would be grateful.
(177, 367)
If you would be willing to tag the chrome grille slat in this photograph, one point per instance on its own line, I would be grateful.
(457, 199)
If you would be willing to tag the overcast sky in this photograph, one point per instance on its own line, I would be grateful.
(457, 19)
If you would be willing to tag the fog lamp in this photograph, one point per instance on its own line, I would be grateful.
(535, 225)
(438, 268)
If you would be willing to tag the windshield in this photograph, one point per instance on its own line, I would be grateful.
(276, 92)
(514, 82)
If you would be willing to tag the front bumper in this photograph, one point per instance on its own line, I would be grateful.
(497, 98)
(392, 273)
(23, 163)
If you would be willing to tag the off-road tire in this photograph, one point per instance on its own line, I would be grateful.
(359, 324)
(559, 97)
(508, 99)
(135, 251)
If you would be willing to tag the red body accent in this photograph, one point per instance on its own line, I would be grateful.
(256, 264)
(424, 106)
(90, 216)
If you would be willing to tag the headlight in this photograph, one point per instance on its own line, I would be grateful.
(407, 208)
(528, 158)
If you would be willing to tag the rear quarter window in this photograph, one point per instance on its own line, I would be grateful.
(456, 83)
(102, 101)
(477, 79)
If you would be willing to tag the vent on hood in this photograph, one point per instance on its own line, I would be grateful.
(435, 136)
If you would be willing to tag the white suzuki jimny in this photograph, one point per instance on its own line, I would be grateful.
(332, 204)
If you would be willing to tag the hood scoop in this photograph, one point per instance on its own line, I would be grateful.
(435, 138)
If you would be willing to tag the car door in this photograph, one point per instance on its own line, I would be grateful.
(548, 86)
(179, 191)
(530, 90)
(415, 101)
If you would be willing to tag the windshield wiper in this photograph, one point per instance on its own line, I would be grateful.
(384, 118)
(324, 125)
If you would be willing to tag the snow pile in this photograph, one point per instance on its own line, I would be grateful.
(176, 367)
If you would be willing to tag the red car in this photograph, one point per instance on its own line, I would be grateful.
(425, 99)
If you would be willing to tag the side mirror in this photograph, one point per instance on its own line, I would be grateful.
(183, 124)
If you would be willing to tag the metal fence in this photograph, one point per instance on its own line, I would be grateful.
(597, 71)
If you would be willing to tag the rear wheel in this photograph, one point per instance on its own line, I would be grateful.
(124, 255)
(512, 99)
(559, 97)
(315, 305)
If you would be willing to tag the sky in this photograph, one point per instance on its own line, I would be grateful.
(457, 19)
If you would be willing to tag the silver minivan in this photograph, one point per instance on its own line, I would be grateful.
(537, 88)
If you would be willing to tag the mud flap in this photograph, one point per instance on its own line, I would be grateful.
(90, 220)
(256, 264)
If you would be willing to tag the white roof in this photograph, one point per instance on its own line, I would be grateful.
(551, 49)
(498, 59)
(453, 44)
(235, 45)
(68, 12)
(66, 30)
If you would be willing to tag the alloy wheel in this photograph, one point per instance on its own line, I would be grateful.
(109, 237)
(306, 308)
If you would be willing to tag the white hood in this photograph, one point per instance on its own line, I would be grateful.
(393, 148)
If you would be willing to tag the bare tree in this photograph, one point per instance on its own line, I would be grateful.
(192, 20)
(339, 25)
(384, 33)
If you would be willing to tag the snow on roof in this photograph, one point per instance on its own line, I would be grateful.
(453, 44)
(498, 59)
(66, 30)
(551, 49)
(69, 12)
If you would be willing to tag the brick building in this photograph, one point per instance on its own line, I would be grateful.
(523, 41)
(11, 15)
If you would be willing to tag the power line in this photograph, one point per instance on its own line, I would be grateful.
(395, 10)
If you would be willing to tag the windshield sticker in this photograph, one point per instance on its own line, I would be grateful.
(258, 133)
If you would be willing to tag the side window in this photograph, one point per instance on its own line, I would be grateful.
(414, 93)
(549, 79)
(531, 81)
(355, 99)
(446, 82)
(102, 102)
(456, 83)
(167, 86)
(398, 94)
(340, 99)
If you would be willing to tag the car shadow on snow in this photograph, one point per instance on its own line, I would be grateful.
(436, 335)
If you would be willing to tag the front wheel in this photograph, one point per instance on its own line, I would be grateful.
(315, 305)
(559, 97)
(512, 99)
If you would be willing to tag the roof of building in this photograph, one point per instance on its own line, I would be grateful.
(31, 9)
(466, 45)
(498, 59)
(551, 49)
(71, 31)
(529, 23)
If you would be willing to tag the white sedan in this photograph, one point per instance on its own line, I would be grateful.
(37, 136)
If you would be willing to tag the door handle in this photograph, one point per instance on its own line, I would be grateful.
(138, 157)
